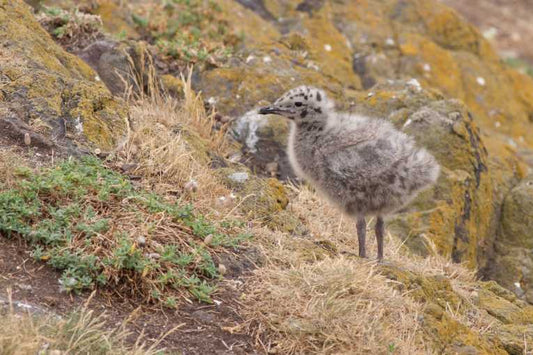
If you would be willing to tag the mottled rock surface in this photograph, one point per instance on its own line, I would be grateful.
(49, 94)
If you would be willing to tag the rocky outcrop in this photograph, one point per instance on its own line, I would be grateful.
(508, 319)
(513, 266)
(49, 95)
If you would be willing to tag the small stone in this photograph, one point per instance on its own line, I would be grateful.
(427, 67)
(239, 177)
(223, 201)
(249, 59)
(154, 256)
(327, 48)
(389, 42)
(128, 167)
(267, 59)
(97, 151)
(191, 186)
(480, 81)
(272, 168)
(235, 157)
(208, 239)
(414, 84)
(27, 138)
(141, 241)
(222, 269)
(24, 287)
(212, 101)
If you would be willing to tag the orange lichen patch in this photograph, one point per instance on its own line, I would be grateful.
(329, 48)
(435, 66)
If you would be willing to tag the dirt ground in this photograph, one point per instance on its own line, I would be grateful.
(202, 328)
(508, 24)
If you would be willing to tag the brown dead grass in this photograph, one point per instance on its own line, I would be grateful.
(309, 300)
(170, 144)
(81, 332)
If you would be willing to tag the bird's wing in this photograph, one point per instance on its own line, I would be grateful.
(357, 155)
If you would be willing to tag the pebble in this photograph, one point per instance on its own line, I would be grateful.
(272, 168)
(191, 186)
(208, 239)
(239, 177)
(141, 241)
(222, 269)
(27, 138)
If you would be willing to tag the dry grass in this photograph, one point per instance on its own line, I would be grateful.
(307, 300)
(334, 306)
(81, 332)
(10, 165)
(171, 141)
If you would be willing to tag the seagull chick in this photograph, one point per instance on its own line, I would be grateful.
(363, 165)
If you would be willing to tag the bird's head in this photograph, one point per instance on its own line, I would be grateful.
(300, 104)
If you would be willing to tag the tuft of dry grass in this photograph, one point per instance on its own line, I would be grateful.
(81, 332)
(171, 142)
(309, 298)
(334, 306)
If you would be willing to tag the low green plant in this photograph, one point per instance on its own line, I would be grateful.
(193, 31)
(83, 218)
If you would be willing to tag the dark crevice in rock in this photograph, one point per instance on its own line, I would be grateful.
(259, 8)
(359, 68)
(310, 6)
(475, 141)
(461, 230)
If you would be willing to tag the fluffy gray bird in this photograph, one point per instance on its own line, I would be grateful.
(361, 164)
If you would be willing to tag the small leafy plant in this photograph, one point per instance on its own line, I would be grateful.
(86, 220)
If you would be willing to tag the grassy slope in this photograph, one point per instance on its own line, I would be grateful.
(309, 296)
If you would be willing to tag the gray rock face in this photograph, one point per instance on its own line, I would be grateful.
(513, 262)
(48, 94)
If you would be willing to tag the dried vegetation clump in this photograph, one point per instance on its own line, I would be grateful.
(314, 296)
(80, 332)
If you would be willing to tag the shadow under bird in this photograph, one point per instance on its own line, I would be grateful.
(363, 165)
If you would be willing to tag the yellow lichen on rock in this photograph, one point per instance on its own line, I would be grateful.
(55, 87)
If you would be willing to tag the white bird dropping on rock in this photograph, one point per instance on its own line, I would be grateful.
(363, 165)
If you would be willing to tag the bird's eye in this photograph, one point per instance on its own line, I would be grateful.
(297, 104)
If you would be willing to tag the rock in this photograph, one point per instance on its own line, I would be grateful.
(191, 186)
(49, 94)
(239, 177)
(263, 199)
(208, 239)
(512, 265)
(222, 269)
(119, 64)
(141, 241)
(509, 317)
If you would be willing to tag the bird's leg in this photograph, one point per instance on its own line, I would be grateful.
(380, 230)
(361, 235)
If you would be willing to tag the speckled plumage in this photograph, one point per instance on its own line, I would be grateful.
(363, 165)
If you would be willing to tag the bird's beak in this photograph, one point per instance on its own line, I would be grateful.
(269, 110)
